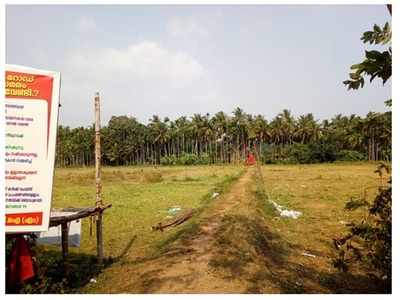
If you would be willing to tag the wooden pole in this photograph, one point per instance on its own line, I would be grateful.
(99, 202)
(97, 150)
(99, 235)
(64, 245)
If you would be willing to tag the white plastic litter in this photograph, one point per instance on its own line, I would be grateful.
(92, 280)
(290, 214)
(308, 254)
(174, 210)
(285, 212)
(215, 195)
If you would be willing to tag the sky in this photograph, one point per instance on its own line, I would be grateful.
(180, 60)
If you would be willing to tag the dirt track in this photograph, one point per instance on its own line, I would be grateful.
(230, 251)
(192, 271)
(204, 261)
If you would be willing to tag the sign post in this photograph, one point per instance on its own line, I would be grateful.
(99, 202)
(31, 111)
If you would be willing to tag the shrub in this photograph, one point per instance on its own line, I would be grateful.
(204, 159)
(267, 155)
(302, 153)
(350, 155)
(323, 152)
(277, 155)
(370, 240)
(168, 160)
(187, 159)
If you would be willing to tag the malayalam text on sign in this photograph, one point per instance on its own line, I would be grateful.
(31, 111)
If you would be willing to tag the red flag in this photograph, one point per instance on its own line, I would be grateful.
(250, 160)
(20, 266)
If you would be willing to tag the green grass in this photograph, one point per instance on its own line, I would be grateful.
(193, 225)
(320, 192)
(140, 198)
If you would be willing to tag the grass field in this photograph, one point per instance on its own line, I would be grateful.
(141, 198)
(320, 193)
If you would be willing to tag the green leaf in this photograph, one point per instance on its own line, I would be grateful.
(354, 76)
(386, 27)
(377, 28)
(356, 66)
(373, 54)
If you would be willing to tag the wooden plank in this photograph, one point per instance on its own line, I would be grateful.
(175, 221)
(69, 209)
(86, 212)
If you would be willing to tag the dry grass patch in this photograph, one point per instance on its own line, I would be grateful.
(320, 193)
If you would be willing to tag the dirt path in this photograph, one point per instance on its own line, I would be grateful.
(205, 260)
(193, 269)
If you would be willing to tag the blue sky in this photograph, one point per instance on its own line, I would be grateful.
(180, 60)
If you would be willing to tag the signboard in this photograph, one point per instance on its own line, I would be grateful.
(31, 111)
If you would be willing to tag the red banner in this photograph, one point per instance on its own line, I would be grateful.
(23, 219)
(30, 86)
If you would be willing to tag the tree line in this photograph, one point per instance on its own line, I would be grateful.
(224, 138)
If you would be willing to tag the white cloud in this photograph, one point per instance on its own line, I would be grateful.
(136, 80)
(185, 26)
(142, 61)
(86, 24)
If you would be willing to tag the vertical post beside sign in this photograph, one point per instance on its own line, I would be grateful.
(99, 201)
(31, 111)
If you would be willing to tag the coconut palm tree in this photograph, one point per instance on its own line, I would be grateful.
(223, 138)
